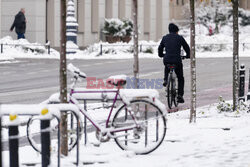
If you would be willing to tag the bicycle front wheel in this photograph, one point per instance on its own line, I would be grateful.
(34, 134)
(150, 130)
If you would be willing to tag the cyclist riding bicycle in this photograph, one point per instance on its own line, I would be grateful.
(172, 43)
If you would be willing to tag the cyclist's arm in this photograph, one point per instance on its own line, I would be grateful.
(160, 48)
(186, 48)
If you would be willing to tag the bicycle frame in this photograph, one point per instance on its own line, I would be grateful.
(102, 129)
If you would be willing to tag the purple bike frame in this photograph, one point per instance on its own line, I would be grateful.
(110, 112)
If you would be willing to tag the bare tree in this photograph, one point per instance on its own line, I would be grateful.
(135, 36)
(193, 63)
(1, 141)
(235, 54)
(63, 80)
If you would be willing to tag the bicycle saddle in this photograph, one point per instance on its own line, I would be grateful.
(118, 80)
(171, 65)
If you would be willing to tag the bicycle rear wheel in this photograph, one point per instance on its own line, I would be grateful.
(146, 137)
(172, 92)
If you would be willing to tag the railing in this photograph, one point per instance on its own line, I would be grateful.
(47, 46)
(124, 45)
(45, 113)
(218, 45)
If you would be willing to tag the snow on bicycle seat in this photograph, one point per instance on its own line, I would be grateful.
(117, 80)
(98, 94)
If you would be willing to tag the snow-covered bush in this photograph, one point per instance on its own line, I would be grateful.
(217, 16)
(212, 47)
(244, 17)
(148, 49)
(128, 26)
(214, 16)
(117, 27)
(224, 106)
(227, 107)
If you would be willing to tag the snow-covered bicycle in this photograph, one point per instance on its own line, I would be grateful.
(138, 125)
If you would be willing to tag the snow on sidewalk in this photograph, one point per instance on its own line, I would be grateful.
(215, 46)
(216, 139)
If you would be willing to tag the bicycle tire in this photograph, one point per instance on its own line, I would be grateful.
(35, 145)
(170, 91)
(174, 94)
(152, 132)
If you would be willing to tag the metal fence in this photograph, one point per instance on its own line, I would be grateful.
(35, 110)
(204, 46)
(47, 46)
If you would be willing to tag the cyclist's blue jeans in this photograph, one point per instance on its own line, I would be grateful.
(179, 74)
(20, 35)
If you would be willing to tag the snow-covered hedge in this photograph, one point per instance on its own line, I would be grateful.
(118, 28)
(217, 16)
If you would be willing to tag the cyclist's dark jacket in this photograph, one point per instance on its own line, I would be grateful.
(19, 23)
(172, 43)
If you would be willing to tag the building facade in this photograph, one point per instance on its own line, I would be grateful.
(35, 15)
(43, 18)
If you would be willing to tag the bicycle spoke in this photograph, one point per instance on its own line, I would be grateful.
(149, 127)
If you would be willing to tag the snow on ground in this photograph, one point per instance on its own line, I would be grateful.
(22, 48)
(216, 139)
(219, 45)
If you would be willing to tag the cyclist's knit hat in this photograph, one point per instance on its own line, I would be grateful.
(173, 28)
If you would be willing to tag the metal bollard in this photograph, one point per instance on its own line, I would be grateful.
(242, 83)
(1, 48)
(101, 50)
(48, 49)
(85, 124)
(140, 48)
(248, 94)
(45, 139)
(13, 143)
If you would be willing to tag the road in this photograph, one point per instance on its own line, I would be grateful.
(34, 80)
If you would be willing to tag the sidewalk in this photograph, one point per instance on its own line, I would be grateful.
(215, 140)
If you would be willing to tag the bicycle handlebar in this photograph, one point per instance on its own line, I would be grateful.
(76, 71)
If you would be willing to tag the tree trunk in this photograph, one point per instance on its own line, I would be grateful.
(135, 36)
(216, 30)
(193, 64)
(235, 54)
(63, 80)
(1, 162)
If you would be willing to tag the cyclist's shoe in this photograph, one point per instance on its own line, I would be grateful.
(180, 99)
(165, 83)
